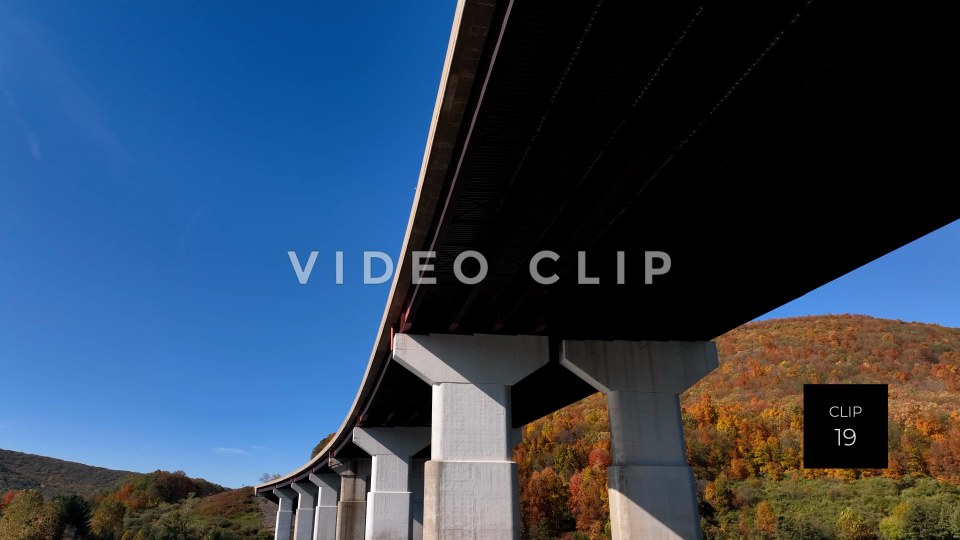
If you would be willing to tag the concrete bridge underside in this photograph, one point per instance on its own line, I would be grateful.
(767, 147)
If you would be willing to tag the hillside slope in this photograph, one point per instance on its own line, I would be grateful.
(157, 505)
(744, 434)
(757, 392)
(52, 477)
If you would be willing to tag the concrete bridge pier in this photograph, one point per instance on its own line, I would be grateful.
(286, 497)
(325, 516)
(416, 499)
(652, 491)
(306, 508)
(470, 483)
(352, 507)
(389, 512)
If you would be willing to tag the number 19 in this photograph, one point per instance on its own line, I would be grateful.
(847, 434)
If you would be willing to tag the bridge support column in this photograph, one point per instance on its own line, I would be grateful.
(284, 523)
(652, 492)
(389, 515)
(471, 489)
(352, 507)
(306, 508)
(325, 517)
(416, 498)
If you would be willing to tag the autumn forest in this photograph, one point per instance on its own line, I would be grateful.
(744, 435)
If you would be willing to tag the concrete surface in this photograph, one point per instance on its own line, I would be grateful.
(470, 483)
(389, 513)
(652, 494)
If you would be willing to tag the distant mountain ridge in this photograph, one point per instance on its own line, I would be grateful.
(52, 477)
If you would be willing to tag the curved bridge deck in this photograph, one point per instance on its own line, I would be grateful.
(767, 147)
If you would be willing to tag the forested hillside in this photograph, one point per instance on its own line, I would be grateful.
(744, 432)
(52, 477)
(156, 506)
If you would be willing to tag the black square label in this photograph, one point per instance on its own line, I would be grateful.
(845, 426)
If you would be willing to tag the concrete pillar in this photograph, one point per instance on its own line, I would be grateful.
(652, 491)
(306, 508)
(389, 514)
(416, 498)
(325, 517)
(286, 498)
(352, 507)
(471, 489)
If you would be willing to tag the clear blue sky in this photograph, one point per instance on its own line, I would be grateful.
(157, 161)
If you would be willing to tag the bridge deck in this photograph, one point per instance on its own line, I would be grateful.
(768, 147)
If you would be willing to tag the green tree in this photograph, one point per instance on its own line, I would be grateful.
(792, 528)
(922, 521)
(73, 516)
(952, 522)
(852, 526)
(892, 526)
(567, 461)
(28, 518)
(107, 520)
(175, 526)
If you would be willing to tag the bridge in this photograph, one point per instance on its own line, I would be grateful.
(766, 147)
